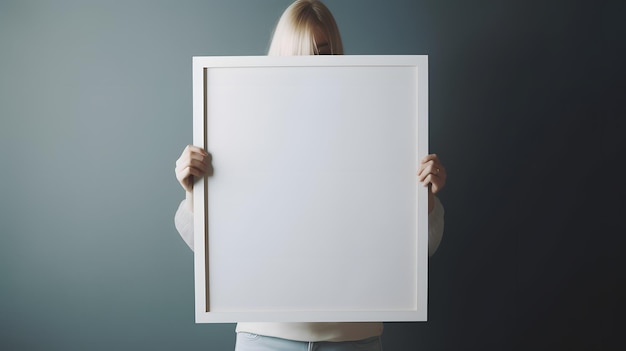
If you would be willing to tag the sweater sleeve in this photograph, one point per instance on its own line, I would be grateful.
(435, 227)
(183, 220)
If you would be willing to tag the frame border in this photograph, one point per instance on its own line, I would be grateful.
(200, 66)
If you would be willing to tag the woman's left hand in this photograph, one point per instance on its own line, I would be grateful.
(432, 173)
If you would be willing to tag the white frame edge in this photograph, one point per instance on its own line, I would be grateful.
(202, 313)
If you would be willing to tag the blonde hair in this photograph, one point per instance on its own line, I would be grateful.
(294, 32)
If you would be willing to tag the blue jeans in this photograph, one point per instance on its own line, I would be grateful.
(254, 342)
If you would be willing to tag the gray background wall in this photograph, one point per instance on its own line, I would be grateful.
(526, 110)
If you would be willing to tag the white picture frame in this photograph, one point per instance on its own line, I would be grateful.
(313, 212)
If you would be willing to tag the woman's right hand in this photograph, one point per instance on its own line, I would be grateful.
(193, 162)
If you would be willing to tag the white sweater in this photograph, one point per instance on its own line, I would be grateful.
(315, 331)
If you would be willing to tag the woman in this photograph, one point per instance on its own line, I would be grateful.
(306, 28)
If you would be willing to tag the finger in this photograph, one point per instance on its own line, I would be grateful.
(187, 176)
(196, 149)
(427, 179)
(197, 152)
(190, 150)
(192, 157)
(432, 160)
(434, 180)
(181, 174)
(430, 157)
(189, 171)
(424, 166)
(429, 168)
(198, 164)
(440, 171)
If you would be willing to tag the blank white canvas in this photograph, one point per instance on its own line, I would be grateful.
(314, 211)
